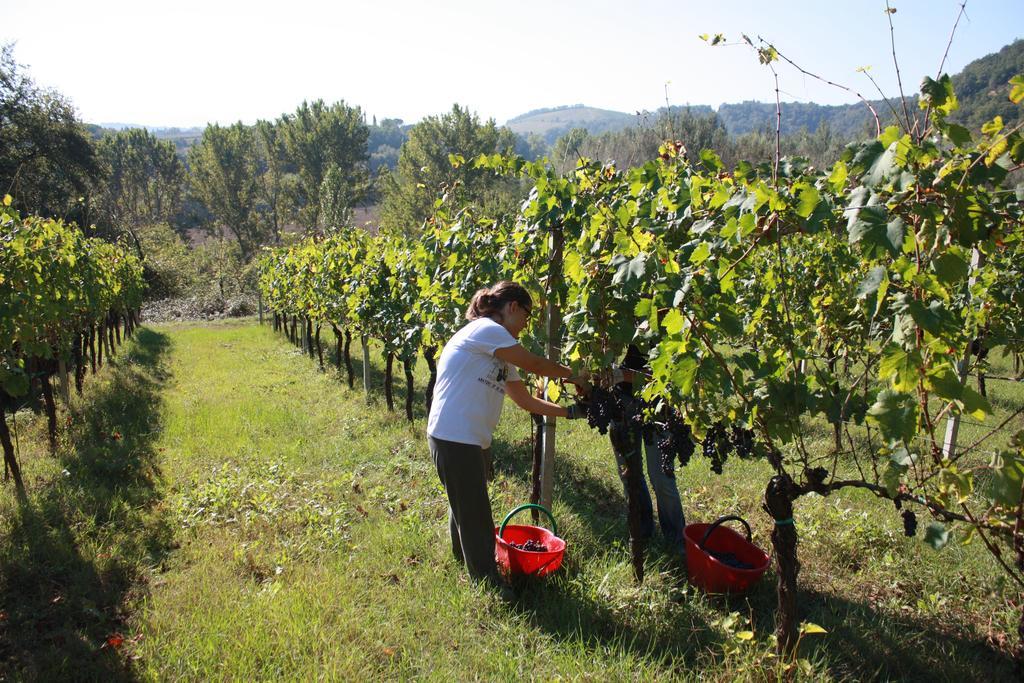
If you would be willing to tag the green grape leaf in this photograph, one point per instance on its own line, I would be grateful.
(700, 254)
(950, 268)
(1005, 486)
(975, 405)
(867, 226)
(15, 383)
(895, 413)
(808, 198)
(892, 477)
(837, 178)
(1017, 91)
(730, 322)
(901, 366)
(673, 322)
(684, 374)
(944, 383)
(629, 269)
(958, 135)
(936, 535)
(938, 95)
(870, 284)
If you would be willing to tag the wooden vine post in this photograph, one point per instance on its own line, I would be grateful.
(953, 422)
(366, 365)
(553, 351)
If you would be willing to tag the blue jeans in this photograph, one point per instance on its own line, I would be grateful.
(670, 507)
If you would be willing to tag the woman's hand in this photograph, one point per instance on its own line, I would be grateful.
(575, 411)
(582, 381)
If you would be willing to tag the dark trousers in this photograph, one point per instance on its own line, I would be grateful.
(462, 469)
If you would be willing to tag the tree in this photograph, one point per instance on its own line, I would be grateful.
(224, 178)
(144, 181)
(425, 166)
(273, 177)
(636, 145)
(318, 137)
(336, 199)
(47, 160)
(569, 148)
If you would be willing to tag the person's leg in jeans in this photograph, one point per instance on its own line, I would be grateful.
(461, 470)
(666, 492)
(646, 506)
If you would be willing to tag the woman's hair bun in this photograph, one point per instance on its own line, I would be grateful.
(489, 300)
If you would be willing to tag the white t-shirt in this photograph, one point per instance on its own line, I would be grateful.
(470, 385)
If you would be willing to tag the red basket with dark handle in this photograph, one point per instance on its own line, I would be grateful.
(515, 561)
(720, 560)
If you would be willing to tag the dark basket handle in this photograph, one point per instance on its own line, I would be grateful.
(719, 521)
(529, 506)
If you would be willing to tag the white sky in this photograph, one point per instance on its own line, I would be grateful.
(188, 63)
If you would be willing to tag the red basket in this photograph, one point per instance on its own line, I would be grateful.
(513, 561)
(706, 541)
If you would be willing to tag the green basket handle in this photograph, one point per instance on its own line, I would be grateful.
(528, 506)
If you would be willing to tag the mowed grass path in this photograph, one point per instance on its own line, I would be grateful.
(234, 513)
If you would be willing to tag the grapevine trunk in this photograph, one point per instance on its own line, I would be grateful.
(389, 362)
(51, 413)
(409, 388)
(348, 360)
(100, 336)
(110, 340)
(337, 346)
(319, 347)
(626, 443)
(79, 367)
(428, 355)
(92, 347)
(778, 502)
(10, 462)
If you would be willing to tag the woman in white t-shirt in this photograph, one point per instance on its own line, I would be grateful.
(476, 370)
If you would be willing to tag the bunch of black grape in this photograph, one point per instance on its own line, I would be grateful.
(675, 440)
(730, 560)
(531, 546)
(743, 441)
(716, 446)
(909, 523)
(605, 406)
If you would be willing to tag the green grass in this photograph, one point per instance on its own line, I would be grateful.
(256, 520)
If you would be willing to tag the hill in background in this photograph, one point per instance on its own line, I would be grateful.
(552, 123)
(981, 89)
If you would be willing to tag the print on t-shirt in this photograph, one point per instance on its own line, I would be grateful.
(496, 376)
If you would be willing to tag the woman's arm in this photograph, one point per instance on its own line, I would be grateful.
(520, 395)
(537, 365)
